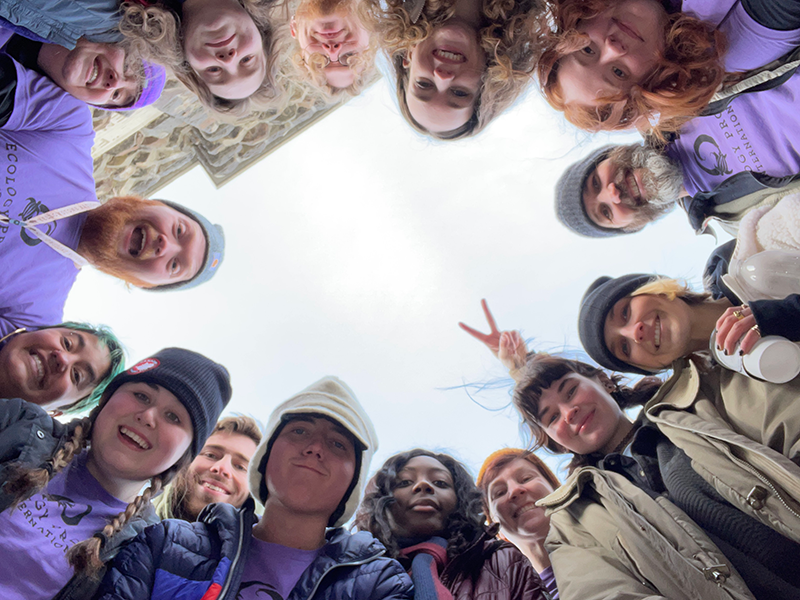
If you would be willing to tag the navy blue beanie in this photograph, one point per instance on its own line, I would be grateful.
(200, 384)
(596, 303)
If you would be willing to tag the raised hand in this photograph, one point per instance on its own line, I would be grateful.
(508, 346)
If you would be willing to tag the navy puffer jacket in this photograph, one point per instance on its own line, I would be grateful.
(176, 560)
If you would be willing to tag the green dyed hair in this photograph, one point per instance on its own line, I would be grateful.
(116, 355)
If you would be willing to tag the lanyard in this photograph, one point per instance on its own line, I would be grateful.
(53, 215)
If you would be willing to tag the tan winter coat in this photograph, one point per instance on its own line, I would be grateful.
(609, 539)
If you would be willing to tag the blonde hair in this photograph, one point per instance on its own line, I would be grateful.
(509, 37)
(23, 482)
(159, 38)
(672, 289)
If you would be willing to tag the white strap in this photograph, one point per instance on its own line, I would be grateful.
(53, 215)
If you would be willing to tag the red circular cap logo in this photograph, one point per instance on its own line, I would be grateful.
(144, 365)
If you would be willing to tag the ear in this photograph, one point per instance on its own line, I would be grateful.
(407, 59)
(293, 28)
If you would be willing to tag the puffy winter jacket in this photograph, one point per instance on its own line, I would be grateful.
(176, 560)
(505, 574)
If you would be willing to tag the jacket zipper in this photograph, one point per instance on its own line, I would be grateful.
(236, 558)
(347, 564)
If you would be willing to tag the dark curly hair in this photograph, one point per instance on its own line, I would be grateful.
(465, 525)
(542, 370)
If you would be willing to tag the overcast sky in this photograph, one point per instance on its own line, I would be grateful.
(356, 248)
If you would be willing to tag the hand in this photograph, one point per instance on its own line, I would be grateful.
(508, 346)
(732, 330)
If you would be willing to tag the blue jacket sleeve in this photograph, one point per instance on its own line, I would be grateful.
(778, 317)
(391, 583)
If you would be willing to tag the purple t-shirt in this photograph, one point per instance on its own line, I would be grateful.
(35, 536)
(271, 570)
(757, 132)
(549, 580)
(45, 163)
(750, 45)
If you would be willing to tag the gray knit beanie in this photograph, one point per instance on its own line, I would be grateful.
(596, 303)
(200, 384)
(215, 251)
(569, 196)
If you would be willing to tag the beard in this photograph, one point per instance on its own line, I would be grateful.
(102, 231)
(662, 180)
(315, 9)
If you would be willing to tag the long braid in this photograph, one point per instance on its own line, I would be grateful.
(84, 556)
(23, 482)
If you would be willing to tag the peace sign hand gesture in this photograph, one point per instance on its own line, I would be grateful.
(508, 346)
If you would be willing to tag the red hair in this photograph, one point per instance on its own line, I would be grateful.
(688, 73)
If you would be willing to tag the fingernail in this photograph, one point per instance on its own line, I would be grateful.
(727, 353)
(741, 353)
(719, 348)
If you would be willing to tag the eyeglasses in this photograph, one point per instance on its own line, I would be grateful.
(344, 59)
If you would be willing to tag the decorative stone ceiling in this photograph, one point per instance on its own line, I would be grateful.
(141, 151)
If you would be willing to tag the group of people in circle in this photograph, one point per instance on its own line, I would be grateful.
(152, 495)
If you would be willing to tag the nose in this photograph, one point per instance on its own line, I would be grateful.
(423, 485)
(333, 49)
(614, 47)
(315, 447)
(147, 417)
(612, 194)
(515, 490)
(443, 74)
(223, 467)
(226, 55)
(112, 80)
(58, 361)
(570, 413)
(634, 331)
(165, 245)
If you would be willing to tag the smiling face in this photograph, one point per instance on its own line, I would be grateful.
(424, 498)
(332, 35)
(52, 367)
(632, 185)
(141, 431)
(224, 47)
(310, 467)
(623, 45)
(219, 472)
(94, 73)
(512, 498)
(579, 413)
(649, 331)
(145, 242)
(444, 77)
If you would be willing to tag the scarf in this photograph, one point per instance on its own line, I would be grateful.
(427, 560)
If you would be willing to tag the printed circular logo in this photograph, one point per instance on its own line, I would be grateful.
(144, 365)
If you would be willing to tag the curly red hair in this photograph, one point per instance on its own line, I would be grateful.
(688, 73)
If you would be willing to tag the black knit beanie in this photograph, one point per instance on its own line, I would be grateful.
(200, 384)
(596, 303)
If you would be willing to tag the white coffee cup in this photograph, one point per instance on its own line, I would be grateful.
(773, 358)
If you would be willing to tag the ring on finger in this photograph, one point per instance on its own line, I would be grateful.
(756, 329)
(738, 314)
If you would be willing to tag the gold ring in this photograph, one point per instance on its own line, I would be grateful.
(756, 329)
(738, 314)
